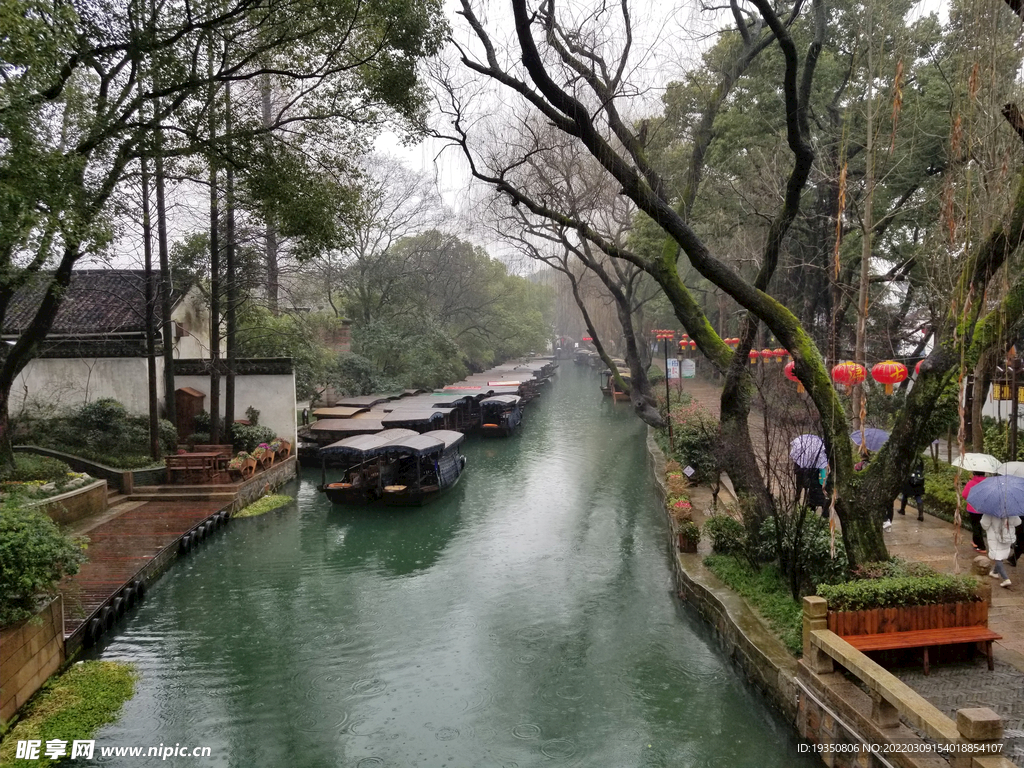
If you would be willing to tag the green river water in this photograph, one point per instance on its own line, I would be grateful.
(527, 618)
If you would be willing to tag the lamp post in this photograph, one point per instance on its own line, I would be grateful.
(665, 335)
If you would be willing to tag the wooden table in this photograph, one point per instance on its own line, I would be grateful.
(182, 467)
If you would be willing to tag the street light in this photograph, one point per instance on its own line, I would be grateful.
(665, 335)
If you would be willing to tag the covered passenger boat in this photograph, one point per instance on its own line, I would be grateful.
(500, 415)
(610, 388)
(364, 469)
(422, 466)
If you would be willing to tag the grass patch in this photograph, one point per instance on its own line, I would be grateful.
(766, 590)
(264, 505)
(71, 706)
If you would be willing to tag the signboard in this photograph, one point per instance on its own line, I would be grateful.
(1003, 391)
(689, 369)
(673, 368)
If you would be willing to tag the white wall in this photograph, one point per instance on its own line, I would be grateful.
(58, 383)
(272, 396)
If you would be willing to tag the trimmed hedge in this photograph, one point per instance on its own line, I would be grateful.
(898, 591)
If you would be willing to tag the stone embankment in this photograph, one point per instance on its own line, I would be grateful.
(866, 717)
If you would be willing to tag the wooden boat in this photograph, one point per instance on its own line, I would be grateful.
(500, 415)
(610, 389)
(364, 472)
(421, 467)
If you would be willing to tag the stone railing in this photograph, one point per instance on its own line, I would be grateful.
(973, 740)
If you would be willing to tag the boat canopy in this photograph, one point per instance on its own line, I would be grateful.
(501, 400)
(412, 416)
(338, 412)
(330, 426)
(361, 447)
(427, 444)
(366, 401)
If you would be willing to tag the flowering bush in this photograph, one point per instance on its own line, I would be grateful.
(239, 460)
(695, 432)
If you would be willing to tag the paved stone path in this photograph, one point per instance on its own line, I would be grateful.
(950, 686)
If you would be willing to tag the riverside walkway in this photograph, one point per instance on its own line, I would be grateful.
(949, 686)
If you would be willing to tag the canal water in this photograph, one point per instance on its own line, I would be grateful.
(525, 619)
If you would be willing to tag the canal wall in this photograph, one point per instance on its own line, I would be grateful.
(29, 653)
(848, 720)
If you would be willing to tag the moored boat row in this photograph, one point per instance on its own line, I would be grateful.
(403, 448)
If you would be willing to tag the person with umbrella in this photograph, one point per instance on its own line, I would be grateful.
(913, 486)
(1000, 500)
(977, 532)
(980, 464)
(810, 465)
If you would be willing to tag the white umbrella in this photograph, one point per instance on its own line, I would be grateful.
(978, 462)
(1011, 468)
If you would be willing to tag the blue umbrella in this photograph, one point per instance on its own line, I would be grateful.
(1000, 496)
(808, 452)
(873, 438)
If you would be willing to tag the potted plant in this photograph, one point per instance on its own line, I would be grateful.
(242, 466)
(689, 535)
(264, 455)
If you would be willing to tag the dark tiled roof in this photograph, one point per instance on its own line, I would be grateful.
(98, 301)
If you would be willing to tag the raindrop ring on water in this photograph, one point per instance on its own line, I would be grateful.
(558, 748)
(526, 731)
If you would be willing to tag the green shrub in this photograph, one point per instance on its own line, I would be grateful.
(202, 422)
(896, 567)
(655, 375)
(895, 591)
(767, 591)
(806, 551)
(101, 431)
(727, 535)
(940, 495)
(34, 557)
(245, 437)
(30, 466)
(695, 435)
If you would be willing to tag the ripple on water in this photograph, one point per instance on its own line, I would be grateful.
(370, 762)
(446, 734)
(558, 749)
(369, 687)
(526, 731)
(532, 634)
(524, 659)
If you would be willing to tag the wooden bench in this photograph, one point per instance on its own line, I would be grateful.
(925, 639)
(182, 467)
(225, 451)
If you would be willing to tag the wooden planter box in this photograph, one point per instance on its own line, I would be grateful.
(686, 544)
(909, 618)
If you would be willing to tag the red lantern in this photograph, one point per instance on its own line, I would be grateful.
(754, 356)
(889, 372)
(779, 354)
(848, 374)
(790, 373)
(766, 354)
(917, 368)
(693, 344)
(586, 338)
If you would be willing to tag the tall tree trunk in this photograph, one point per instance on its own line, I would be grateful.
(214, 260)
(229, 392)
(273, 270)
(150, 316)
(166, 324)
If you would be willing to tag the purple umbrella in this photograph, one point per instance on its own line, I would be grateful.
(808, 452)
(873, 438)
(1000, 496)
